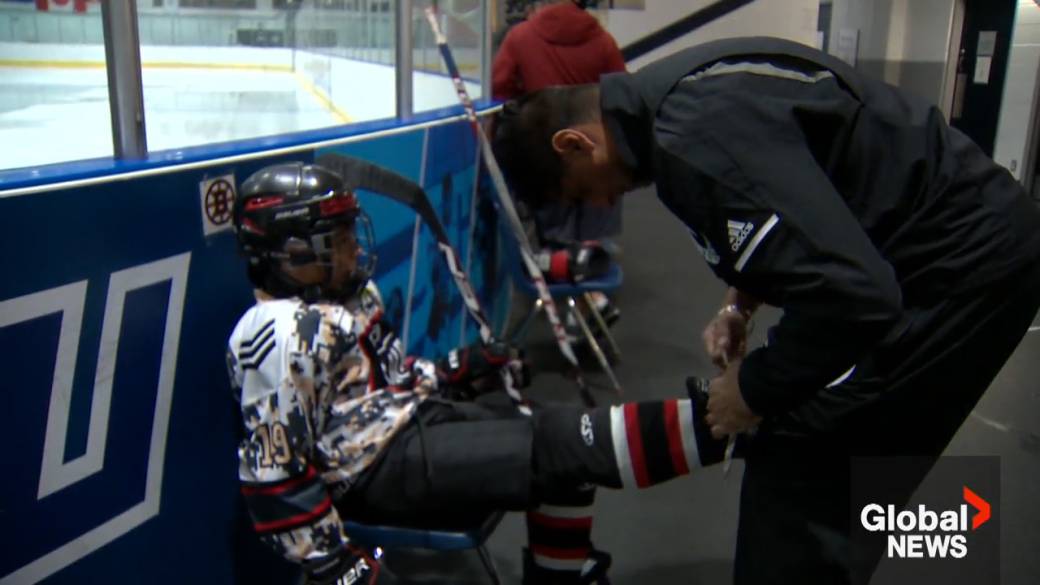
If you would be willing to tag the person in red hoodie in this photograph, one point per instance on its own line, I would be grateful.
(562, 44)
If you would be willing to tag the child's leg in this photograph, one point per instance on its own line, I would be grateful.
(628, 445)
(559, 536)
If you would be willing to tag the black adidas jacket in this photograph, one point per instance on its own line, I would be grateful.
(835, 197)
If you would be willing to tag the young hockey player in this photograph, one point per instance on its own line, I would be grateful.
(339, 423)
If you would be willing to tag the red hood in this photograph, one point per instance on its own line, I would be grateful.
(564, 24)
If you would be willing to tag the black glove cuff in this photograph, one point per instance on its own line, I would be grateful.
(350, 566)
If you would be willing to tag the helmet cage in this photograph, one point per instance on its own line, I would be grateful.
(274, 229)
(318, 249)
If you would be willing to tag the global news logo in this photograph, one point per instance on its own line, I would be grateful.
(925, 533)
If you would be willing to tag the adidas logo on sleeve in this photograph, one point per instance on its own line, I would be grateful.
(738, 233)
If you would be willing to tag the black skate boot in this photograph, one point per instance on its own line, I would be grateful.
(594, 572)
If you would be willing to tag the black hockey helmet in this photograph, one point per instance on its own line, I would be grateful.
(287, 213)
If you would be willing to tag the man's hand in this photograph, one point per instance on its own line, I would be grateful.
(725, 337)
(727, 411)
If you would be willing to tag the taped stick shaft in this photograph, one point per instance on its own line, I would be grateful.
(505, 201)
(365, 175)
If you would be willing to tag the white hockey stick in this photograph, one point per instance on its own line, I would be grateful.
(506, 204)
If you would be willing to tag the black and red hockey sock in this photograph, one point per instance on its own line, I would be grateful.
(656, 441)
(559, 532)
(629, 445)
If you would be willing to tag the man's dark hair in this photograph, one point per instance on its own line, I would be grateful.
(523, 137)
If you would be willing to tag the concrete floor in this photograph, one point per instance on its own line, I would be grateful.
(684, 531)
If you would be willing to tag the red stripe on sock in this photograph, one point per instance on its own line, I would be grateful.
(675, 444)
(557, 522)
(567, 554)
(635, 445)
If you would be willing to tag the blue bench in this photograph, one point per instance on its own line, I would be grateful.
(455, 539)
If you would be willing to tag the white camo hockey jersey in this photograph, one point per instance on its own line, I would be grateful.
(322, 388)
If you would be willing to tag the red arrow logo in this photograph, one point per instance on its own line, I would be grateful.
(979, 504)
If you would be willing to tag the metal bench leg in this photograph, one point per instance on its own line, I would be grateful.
(602, 325)
(489, 565)
(603, 362)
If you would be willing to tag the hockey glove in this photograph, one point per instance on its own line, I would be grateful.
(463, 366)
(575, 263)
(350, 566)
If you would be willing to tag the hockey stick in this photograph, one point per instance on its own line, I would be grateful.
(507, 207)
(359, 174)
